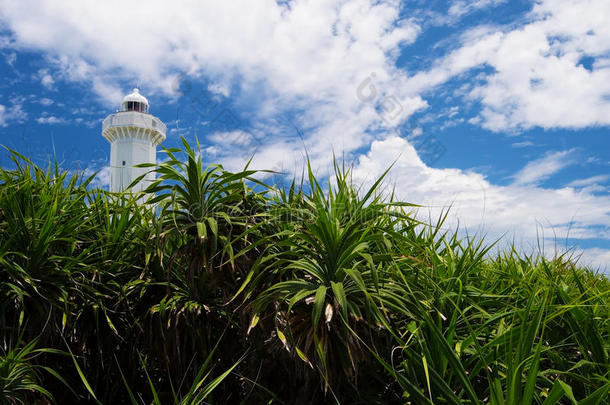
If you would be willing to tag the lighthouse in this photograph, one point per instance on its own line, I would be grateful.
(133, 134)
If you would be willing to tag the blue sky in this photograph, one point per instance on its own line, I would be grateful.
(499, 109)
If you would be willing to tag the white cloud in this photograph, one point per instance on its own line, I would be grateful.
(46, 101)
(306, 45)
(589, 181)
(523, 144)
(102, 176)
(46, 79)
(102, 179)
(462, 7)
(52, 120)
(596, 259)
(220, 88)
(542, 168)
(537, 77)
(11, 58)
(5, 41)
(11, 114)
(232, 138)
(515, 211)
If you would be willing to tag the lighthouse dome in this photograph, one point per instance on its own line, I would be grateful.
(134, 101)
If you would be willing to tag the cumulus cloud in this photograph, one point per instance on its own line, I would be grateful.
(305, 44)
(524, 212)
(538, 76)
(308, 56)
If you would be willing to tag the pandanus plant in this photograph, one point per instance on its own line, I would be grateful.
(204, 214)
(321, 280)
(371, 305)
(43, 223)
(206, 208)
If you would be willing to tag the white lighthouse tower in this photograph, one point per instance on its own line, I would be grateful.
(133, 134)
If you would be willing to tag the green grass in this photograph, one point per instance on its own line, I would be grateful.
(223, 289)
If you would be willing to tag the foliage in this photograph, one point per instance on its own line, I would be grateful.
(212, 286)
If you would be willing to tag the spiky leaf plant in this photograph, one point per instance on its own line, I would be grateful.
(323, 273)
(335, 292)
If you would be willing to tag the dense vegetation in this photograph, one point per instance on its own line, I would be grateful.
(222, 289)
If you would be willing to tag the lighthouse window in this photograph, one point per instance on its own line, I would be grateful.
(135, 106)
(123, 163)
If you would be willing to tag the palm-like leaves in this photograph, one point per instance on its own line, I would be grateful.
(379, 307)
(328, 258)
(205, 207)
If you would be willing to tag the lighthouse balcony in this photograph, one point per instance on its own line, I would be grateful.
(117, 123)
